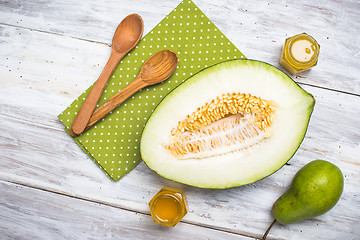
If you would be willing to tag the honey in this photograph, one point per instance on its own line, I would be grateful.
(168, 206)
(300, 53)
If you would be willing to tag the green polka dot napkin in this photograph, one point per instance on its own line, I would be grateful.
(113, 143)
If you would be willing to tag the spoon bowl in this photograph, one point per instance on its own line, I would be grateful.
(156, 69)
(159, 67)
(126, 37)
(128, 33)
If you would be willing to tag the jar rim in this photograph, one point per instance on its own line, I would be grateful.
(305, 36)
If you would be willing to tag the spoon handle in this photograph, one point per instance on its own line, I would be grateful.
(92, 99)
(115, 101)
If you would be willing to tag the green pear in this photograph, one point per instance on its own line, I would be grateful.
(315, 189)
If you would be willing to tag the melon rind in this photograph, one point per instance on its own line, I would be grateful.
(294, 108)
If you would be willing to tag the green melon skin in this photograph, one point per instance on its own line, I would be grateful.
(315, 189)
(236, 168)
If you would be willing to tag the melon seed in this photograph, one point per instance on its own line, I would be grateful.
(245, 120)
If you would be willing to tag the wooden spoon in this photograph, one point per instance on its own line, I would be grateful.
(126, 37)
(156, 69)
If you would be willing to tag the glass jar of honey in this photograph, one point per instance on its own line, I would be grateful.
(168, 206)
(299, 53)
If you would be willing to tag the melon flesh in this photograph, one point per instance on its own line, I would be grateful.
(241, 162)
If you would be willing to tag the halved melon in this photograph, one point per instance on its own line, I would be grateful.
(229, 125)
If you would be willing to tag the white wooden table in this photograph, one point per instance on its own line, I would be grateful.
(51, 51)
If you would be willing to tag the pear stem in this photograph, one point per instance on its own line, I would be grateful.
(268, 230)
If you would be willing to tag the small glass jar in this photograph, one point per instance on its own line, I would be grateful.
(300, 53)
(168, 206)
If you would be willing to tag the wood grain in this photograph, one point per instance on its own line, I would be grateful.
(45, 67)
(28, 213)
(258, 28)
(156, 69)
(86, 110)
(127, 36)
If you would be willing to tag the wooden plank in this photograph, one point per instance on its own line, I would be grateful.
(258, 28)
(35, 150)
(27, 213)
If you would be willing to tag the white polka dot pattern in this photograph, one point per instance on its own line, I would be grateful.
(113, 143)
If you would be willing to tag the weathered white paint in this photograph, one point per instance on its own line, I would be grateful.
(42, 72)
(28, 213)
(258, 28)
